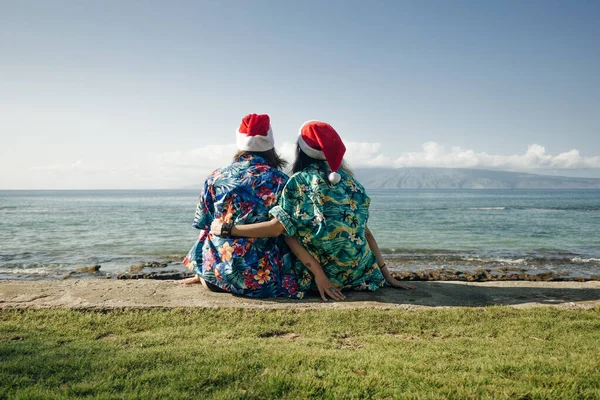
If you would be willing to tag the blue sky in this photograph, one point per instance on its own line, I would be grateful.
(122, 94)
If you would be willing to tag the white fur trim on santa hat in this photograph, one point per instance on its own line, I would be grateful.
(309, 151)
(255, 143)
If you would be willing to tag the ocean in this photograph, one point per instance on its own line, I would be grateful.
(47, 234)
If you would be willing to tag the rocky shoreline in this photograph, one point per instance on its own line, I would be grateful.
(160, 271)
(491, 275)
(148, 270)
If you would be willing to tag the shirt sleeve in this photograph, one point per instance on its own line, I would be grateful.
(284, 210)
(204, 210)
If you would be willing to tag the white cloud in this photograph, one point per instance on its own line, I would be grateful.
(207, 157)
(61, 167)
(358, 154)
(436, 155)
(368, 154)
(189, 167)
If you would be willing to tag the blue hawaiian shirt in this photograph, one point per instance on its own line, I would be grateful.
(242, 193)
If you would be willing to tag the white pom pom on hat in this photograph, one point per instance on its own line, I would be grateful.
(320, 141)
(255, 133)
(334, 177)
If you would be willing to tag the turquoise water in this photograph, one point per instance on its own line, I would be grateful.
(48, 234)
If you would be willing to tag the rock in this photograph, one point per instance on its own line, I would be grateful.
(546, 277)
(479, 275)
(161, 275)
(405, 276)
(435, 275)
(485, 275)
(81, 272)
(69, 275)
(152, 264)
(175, 258)
(89, 269)
(421, 276)
(511, 277)
(451, 275)
(506, 269)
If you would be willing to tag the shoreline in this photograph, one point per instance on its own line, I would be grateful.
(493, 275)
(175, 271)
(147, 293)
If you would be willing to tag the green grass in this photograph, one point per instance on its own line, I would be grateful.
(231, 353)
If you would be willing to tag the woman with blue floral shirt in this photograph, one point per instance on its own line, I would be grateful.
(242, 193)
(327, 210)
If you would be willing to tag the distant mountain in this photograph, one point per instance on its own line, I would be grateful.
(458, 178)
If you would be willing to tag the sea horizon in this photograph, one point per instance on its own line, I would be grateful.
(50, 233)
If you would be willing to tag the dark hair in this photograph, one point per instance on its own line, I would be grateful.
(303, 160)
(272, 158)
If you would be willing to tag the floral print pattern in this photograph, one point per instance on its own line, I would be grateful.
(241, 193)
(330, 222)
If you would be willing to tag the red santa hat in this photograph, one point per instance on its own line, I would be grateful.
(255, 133)
(320, 141)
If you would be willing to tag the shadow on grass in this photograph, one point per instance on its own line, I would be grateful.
(452, 294)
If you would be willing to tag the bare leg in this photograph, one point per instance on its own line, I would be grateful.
(204, 283)
(190, 281)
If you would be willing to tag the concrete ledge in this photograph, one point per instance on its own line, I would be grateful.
(107, 294)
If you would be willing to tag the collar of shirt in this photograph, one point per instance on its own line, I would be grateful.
(251, 158)
(318, 166)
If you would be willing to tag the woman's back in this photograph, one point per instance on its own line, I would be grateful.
(330, 221)
(242, 193)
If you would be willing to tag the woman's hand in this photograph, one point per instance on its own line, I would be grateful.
(397, 284)
(393, 281)
(216, 226)
(326, 288)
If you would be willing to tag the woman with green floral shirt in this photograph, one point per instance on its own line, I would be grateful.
(328, 213)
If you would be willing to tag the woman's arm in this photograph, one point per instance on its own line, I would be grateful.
(323, 284)
(374, 247)
(382, 264)
(205, 207)
(274, 228)
(271, 228)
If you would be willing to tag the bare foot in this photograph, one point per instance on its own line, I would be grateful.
(190, 281)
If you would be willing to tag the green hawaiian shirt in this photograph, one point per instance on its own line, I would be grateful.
(330, 221)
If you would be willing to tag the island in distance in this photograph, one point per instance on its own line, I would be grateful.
(463, 178)
(460, 178)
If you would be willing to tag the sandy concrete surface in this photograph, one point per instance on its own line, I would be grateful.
(105, 294)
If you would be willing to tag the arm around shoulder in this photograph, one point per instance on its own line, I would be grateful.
(271, 228)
